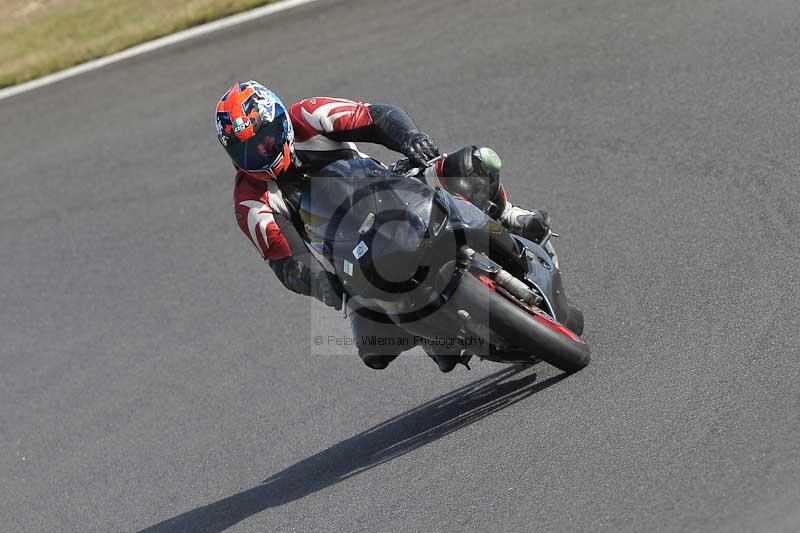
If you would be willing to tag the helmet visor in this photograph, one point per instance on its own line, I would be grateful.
(259, 152)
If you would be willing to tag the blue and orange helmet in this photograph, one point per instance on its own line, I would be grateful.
(254, 127)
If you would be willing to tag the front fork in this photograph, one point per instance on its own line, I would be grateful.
(475, 261)
(499, 280)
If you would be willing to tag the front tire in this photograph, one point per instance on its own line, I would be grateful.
(534, 332)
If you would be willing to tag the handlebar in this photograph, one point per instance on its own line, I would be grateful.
(415, 170)
(547, 237)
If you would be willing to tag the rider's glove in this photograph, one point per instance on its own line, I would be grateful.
(419, 148)
(327, 289)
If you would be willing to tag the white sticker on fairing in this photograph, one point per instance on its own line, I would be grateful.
(348, 267)
(360, 249)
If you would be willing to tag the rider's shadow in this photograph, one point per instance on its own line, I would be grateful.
(392, 438)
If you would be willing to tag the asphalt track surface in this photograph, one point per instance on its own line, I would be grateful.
(153, 374)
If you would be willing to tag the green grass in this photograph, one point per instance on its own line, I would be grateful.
(44, 36)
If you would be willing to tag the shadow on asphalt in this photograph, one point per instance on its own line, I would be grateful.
(393, 438)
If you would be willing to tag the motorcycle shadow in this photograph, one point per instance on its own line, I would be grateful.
(375, 446)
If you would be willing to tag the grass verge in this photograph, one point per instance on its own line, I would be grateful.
(43, 36)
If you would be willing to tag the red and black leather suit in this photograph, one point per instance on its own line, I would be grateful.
(325, 131)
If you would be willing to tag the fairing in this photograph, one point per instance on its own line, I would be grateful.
(378, 232)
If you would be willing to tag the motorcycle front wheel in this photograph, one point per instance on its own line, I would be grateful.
(534, 332)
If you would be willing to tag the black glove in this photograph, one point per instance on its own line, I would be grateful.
(327, 289)
(419, 148)
(538, 224)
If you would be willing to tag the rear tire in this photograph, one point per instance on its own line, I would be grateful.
(537, 334)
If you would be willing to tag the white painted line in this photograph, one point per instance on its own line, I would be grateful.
(149, 46)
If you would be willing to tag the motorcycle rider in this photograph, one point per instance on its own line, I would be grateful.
(274, 148)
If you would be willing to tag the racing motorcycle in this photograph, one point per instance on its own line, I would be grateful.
(436, 265)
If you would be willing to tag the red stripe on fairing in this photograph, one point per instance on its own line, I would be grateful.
(538, 315)
(439, 166)
(488, 283)
(544, 318)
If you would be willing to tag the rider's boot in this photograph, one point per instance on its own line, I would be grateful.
(529, 223)
(379, 342)
(446, 363)
(377, 361)
(445, 360)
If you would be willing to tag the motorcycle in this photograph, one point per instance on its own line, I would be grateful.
(436, 265)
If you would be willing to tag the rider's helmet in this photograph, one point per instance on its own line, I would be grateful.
(254, 127)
